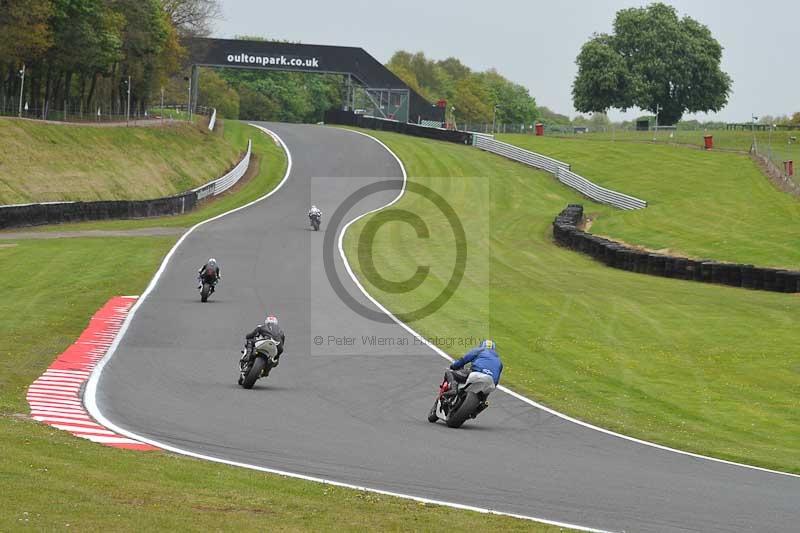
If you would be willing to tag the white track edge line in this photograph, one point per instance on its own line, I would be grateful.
(501, 387)
(90, 394)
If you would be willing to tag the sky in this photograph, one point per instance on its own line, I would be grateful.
(535, 43)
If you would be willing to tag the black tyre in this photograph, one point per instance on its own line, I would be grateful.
(315, 224)
(254, 373)
(464, 411)
(432, 415)
(206, 290)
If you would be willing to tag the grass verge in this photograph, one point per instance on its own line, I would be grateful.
(781, 141)
(699, 367)
(53, 481)
(701, 204)
(55, 162)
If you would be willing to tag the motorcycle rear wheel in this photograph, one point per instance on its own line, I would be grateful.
(205, 292)
(465, 411)
(254, 373)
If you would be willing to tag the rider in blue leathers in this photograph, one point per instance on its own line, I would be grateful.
(484, 359)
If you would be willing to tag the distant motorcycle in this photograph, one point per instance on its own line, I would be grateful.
(468, 401)
(263, 359)
(315, 221)
(206, 289)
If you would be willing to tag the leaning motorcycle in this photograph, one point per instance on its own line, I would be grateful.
(206, 290)
(468, 401)
(263, 358)
(315, 221)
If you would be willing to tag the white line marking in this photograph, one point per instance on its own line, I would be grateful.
(48, 419)
(57, 411)
(33, 400)
(80, 429)
(102, 439)
(501, 387)
(90, 395)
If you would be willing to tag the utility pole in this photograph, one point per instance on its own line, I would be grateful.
(128, 109)
(655, 133)
(754, 148)
(189, 102)
(494, 117)
(162, 105)
(21, 87)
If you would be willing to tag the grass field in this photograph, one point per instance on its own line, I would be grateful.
(53, 481)
(735, 140)
(701, 204)
(51, 162)
(704, 368)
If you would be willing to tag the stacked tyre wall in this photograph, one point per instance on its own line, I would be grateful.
(617, 255)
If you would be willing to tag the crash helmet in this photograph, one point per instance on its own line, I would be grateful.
(271, 319)
(212, 262)
(489, 344)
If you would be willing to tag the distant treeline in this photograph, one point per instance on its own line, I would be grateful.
(474, 95)
(80, 53)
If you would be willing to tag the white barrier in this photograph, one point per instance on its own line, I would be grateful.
(560, 170)
(220, 185)
(485, 142)
(213, 120)
(598, 193)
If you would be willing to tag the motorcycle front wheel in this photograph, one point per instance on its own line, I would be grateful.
(432, 415)
(205, 292)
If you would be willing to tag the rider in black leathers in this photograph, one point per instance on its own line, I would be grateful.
(269, 329)
(209, 273)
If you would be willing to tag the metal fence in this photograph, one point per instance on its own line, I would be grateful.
(560, 170)
(96, 114)
(220, 185)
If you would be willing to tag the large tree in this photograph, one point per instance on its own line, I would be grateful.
(653, 60)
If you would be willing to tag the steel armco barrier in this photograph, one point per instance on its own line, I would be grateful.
(598, 193)
(227, 181)
(560, 170)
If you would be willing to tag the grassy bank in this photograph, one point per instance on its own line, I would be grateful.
(51, 162)
(269, 167)
(704, 368)
(701, 204)
(53, 481)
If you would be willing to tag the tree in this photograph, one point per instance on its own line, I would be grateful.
(217, 93)
(795, 120)
(655, 61)
(551, 117)
(24, 30)
(192, 17)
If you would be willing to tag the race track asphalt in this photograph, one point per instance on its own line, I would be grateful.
(357, 414)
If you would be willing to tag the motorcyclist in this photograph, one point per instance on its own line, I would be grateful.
(486, 365)
(269, 329)
(209, 273)
(314, 212)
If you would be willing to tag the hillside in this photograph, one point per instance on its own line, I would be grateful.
(42, 162)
